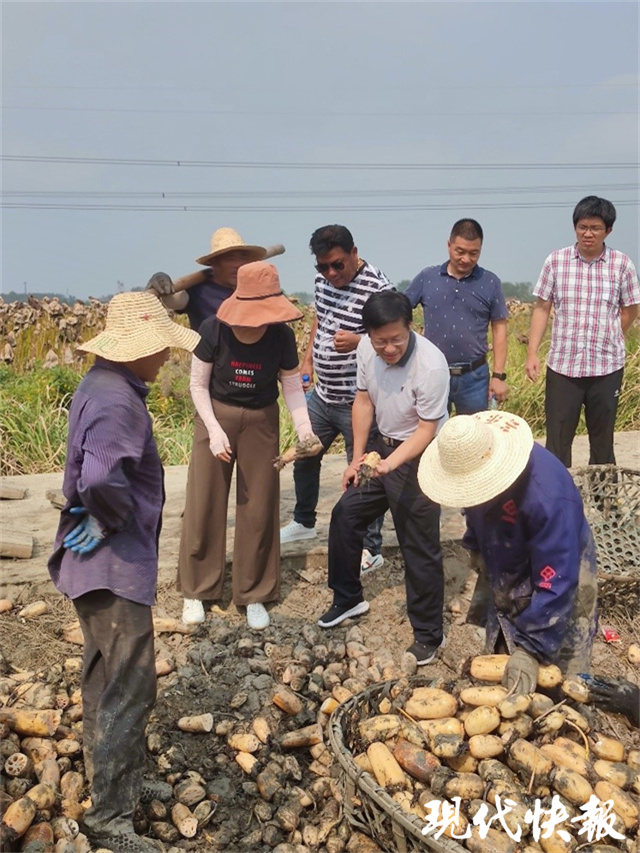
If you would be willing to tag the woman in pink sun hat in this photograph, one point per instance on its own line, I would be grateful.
(244, 353)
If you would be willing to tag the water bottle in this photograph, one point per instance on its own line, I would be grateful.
(306, 378)
(493, 403)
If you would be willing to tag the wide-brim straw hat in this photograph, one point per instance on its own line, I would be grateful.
(475, 458)
(138, 325)
(258, 299)
(228, 240)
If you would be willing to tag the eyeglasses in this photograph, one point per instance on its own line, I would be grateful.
(396, 343)
(337, 266)
(589, 229)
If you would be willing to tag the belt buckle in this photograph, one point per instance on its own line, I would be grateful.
(386, 440)
(456, 371)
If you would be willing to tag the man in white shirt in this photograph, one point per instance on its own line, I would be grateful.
(402, 384)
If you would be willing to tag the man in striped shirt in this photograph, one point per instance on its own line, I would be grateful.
(594, 292)
(342, 286)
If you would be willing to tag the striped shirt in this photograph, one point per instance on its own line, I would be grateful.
(586, 336)
(341, 308)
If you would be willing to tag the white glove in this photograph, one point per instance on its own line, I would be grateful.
(218, 441)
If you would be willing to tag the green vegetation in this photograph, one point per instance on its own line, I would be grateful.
(521, 290)
(34, 401)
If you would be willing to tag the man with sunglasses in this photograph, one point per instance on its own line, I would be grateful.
(594, 292)
(343, 285)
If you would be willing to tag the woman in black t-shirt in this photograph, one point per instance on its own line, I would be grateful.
(235, 370)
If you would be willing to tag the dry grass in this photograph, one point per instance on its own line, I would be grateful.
(34, 399)
(37, 644)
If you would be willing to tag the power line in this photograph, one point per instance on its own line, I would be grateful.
(333, 194)
(292, 209)
(438, 87)
(314, 116)
(248, 164)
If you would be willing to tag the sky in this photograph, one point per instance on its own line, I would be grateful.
(131, 131)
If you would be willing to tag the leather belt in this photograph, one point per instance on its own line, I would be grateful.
(466, 366)
(391, 442)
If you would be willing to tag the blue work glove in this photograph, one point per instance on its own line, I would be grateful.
(85, 536)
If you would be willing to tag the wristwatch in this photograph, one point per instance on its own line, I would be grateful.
(501, 376)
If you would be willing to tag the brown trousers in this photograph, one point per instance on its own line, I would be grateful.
(253, 435)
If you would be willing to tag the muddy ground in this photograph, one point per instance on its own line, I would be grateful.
(228, 671)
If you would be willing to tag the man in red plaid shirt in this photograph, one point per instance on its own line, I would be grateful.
(594, 292)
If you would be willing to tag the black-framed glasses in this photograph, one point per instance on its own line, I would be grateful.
(336, 266)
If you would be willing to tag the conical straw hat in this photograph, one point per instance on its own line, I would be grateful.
(228, 240)
(138, 325)
(474, 458)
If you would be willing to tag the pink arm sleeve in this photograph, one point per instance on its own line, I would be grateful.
(293, 394)
(199, 387)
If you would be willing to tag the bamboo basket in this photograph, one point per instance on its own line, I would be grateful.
(367, 806)
(611, 496)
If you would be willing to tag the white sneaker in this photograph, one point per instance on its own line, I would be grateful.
(257, 616)
(370, 562)
(294, 531)
(192, 611)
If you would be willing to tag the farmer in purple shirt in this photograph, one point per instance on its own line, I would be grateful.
(200, 294)
(106, 554)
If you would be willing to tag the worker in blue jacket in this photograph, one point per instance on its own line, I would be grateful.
(526, 521)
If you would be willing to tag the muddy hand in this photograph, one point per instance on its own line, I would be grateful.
(310, 446)
(367, 469)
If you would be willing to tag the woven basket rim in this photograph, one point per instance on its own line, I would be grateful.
(367, 785)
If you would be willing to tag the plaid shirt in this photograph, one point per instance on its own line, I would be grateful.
(586, 336)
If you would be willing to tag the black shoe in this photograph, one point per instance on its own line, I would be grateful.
(126, 842)
(338, 613)
(424, 653)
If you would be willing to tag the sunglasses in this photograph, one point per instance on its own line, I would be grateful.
(336, 266)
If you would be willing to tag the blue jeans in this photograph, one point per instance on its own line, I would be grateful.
(327, 422)
(469, 393)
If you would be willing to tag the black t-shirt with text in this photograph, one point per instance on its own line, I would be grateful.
(246, 374)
